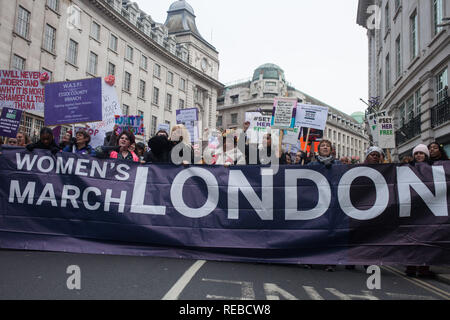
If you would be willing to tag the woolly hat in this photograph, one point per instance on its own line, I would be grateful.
(375, 149)
(421, 148)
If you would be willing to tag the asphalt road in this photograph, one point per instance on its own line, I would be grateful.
(44, 275)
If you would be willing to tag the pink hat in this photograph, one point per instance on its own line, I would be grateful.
(421, 148)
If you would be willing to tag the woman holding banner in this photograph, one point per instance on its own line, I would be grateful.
(160, 148)
(182, 151)
(374, 155)
(81, 145)
(421, 154)
(325, 156)
(126, 139)
(46, 142)
(22, 139)
(327, 159)
(437, 152)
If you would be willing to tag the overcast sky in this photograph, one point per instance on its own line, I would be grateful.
(317, 43)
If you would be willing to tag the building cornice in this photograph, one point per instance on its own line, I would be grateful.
(127, 26)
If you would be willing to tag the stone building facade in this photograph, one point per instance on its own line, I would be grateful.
(159, 67)
(258, 93)
(409, 58)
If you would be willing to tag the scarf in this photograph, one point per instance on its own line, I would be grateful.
(326, 160)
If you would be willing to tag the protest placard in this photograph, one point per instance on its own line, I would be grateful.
(189, 118)
(164, 126)
(73, 102)
(372, 120)
(110, 108)
(21, 90)
(291, 137)
(284, 113)
(10, 122)
(133, 124)
(311, 116)
(386, 132)
(259, 126)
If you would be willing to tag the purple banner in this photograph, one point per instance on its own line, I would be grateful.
(384, 214)
(10, 122)
(73, 102)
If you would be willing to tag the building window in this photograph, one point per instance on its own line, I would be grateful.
(18, 63)
(49, 38)
(442, 86)
(129, 53)
(93, 62)
(388, 73)
(169, 102)
(182, 84)
(219, 121)
(414, 35)
(380, 83)
(397, 4)
(169, 77)
(38, 125)
(418, 102)
(234, 117)
(113, 43)
(155, 96)
(28, 125)
(437, 15)
(127, 82)
(234, 99)
(125, 110)
(398, 51)
(23, 22)
(111, 69)
(157, 71)
(410, 108)
(154, 125)
(181, 104)
(53, 4)
(72, 54)
(387, 16)
(144, 62)
(95, 30)
(142, 89)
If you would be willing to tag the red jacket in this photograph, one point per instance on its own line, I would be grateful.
(115, 155)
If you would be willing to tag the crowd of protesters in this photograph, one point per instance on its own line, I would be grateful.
(218, 148)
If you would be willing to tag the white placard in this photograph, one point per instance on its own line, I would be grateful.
(165, 127)
(372, 120)
(386, 132)
(259, 126)
(111, 107)
(311, 116)
(283, 116)
(21, 90)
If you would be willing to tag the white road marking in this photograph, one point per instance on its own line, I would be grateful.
(367, 295)
(273, 292)
(246, 290)
(312, 293)
(179, 286)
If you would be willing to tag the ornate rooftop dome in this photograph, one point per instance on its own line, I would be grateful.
(181, 18)
(269, 71)
(181, 5)
(358, 116)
